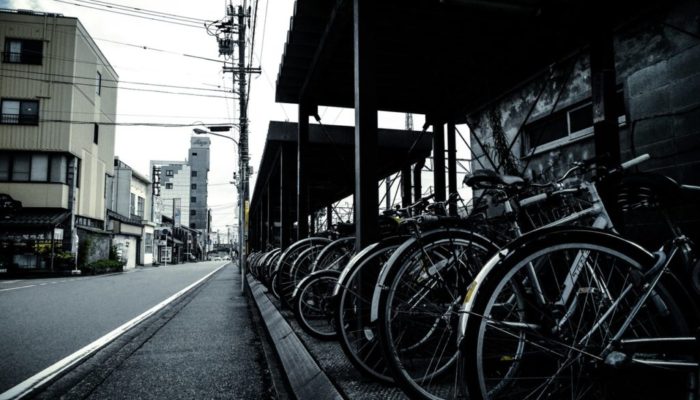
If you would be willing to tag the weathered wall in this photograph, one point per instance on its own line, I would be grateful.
(99, 245)
(658, 70)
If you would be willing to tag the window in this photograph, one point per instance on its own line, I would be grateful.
(148, 243)
(193, 225)
(562, 126)
(98, 83)
(193, 199)
(194, 186)
(168, 185)
(20, 167)
(37, 167)
(40, 168)
(168, 172)
(96, 134)
(58, 169)
(194, 174)
(141, 205)
(194, 154)
(4, 167)
(20, 112)
(132, 205)
(77, 173)
(23, 51)
(193, 213)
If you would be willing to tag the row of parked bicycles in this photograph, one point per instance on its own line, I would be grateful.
(531, 295)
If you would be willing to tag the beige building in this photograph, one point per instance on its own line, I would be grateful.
(58, 102)
(129, 215)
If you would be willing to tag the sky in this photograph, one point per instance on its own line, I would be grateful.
(137, 145)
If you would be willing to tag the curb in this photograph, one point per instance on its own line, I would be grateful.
(305, 377)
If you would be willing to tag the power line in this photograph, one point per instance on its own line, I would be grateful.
(160, 50)
(143, 10)
(151, 124)
(115, 87)
(174, 22)
(117, 81)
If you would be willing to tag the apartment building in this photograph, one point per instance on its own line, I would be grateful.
(182, 195)
(58, 102)
(128, 215)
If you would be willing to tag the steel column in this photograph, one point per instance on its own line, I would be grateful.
(288, 167)
(302, 191)
(452, 165)
(406, 186)
(366, 176)
(329, 217)
(603, 91)
(417, 181)
(439, 161)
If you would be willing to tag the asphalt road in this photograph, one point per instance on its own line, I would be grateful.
(45, 320)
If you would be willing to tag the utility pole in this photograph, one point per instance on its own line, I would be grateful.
(236, 24)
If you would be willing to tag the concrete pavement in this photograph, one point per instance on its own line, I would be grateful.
(201, 346)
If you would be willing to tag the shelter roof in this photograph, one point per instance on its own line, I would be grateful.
(331, 158)
(443, 58)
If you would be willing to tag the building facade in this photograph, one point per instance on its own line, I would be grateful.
(181, 195)
(129, 216)
(58, 102)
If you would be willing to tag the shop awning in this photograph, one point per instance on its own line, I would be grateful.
(33, 219)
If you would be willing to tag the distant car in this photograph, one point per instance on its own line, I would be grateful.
(217, 258)
(227, 258)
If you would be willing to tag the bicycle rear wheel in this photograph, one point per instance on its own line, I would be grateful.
(548, 322)
(425, 281)
(357, 336)
(313, 304)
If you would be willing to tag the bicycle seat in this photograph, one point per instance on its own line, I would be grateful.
(487, 179)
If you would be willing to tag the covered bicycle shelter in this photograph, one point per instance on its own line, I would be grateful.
(328, 174)
(441, 58)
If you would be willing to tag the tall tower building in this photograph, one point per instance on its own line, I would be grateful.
(199, 171)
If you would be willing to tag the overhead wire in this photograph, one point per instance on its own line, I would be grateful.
(117, 81)
(143, 10)
(115, 87)
(172, 21)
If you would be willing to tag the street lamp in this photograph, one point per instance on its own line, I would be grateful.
(242, 189)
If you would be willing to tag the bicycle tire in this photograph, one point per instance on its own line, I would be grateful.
(313, 304)
(526, 312)
(357, 336)
(422, 286)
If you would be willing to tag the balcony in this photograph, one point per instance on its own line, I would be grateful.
(19, 119)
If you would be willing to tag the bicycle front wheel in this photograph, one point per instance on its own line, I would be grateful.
(554, 319)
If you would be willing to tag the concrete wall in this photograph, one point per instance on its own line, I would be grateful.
(99, 245)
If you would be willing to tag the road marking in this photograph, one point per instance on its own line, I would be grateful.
(26, 387)
(15, 288)
(18, 280)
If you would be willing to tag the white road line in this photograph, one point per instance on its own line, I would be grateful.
(15, 288)
(18, 280)
(26, 387)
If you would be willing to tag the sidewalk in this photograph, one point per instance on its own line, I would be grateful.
(202, 346)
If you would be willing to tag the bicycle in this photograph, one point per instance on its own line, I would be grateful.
(417, 299)
(583, 313)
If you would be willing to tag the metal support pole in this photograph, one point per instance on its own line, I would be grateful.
(302, 191)
(439, 161)
(366, 175)
(329, 217)
(417, 181)
(406, 186)
(603, 90)
(287, 197)
(452, 166)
